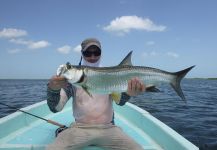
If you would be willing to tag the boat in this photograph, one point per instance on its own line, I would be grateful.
(20, 131)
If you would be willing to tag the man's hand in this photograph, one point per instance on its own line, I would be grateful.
(57, 82)
(135, 87)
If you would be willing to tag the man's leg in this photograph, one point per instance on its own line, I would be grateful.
(115, 139)
(72, 138)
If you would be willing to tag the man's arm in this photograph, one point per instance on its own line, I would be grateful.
(58, 93)
(53, 98)
(135, 87)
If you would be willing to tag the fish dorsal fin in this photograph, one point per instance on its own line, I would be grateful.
(127, 60)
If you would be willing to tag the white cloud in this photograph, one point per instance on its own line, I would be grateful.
(65, 49)
(172, 54)
(150, 54)
(144, 54)
(124, 24)
(14, 51)
(77, 48)
(19, 41)
(12, 33)
(149, 43)
(31, 44)
(39, 44)
(154, 54)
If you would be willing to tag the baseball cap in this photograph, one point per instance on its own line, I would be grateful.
(90, 42)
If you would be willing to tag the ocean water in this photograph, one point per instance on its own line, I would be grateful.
(195, 119)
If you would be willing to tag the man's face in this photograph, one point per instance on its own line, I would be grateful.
(92, 54)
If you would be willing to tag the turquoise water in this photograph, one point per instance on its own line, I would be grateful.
(196, 120)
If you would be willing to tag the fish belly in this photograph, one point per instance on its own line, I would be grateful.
(108, 82)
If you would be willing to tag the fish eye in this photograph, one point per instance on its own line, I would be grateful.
(68, 65)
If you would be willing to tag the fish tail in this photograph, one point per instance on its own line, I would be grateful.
(176, 82)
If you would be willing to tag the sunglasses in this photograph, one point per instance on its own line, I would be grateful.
(90, 53)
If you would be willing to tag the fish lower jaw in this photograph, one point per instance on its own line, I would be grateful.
(71, 80)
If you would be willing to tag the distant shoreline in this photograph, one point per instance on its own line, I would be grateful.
(185, 78)
(203, 78)
(24, 79)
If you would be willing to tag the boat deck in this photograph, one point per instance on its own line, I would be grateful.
(21, 131)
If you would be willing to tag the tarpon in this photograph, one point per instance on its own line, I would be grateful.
(106, 80)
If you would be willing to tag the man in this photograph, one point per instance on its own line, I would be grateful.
(94, 116)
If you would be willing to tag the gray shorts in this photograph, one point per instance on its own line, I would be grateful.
(79, 136)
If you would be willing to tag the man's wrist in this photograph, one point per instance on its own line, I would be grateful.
(128, 94)
(52, 90)
(125, 95)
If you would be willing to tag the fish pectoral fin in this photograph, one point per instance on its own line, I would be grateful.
(116, 97)
(152, 88)
(85, 88)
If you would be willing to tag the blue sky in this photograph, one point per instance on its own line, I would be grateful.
(37, 36)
